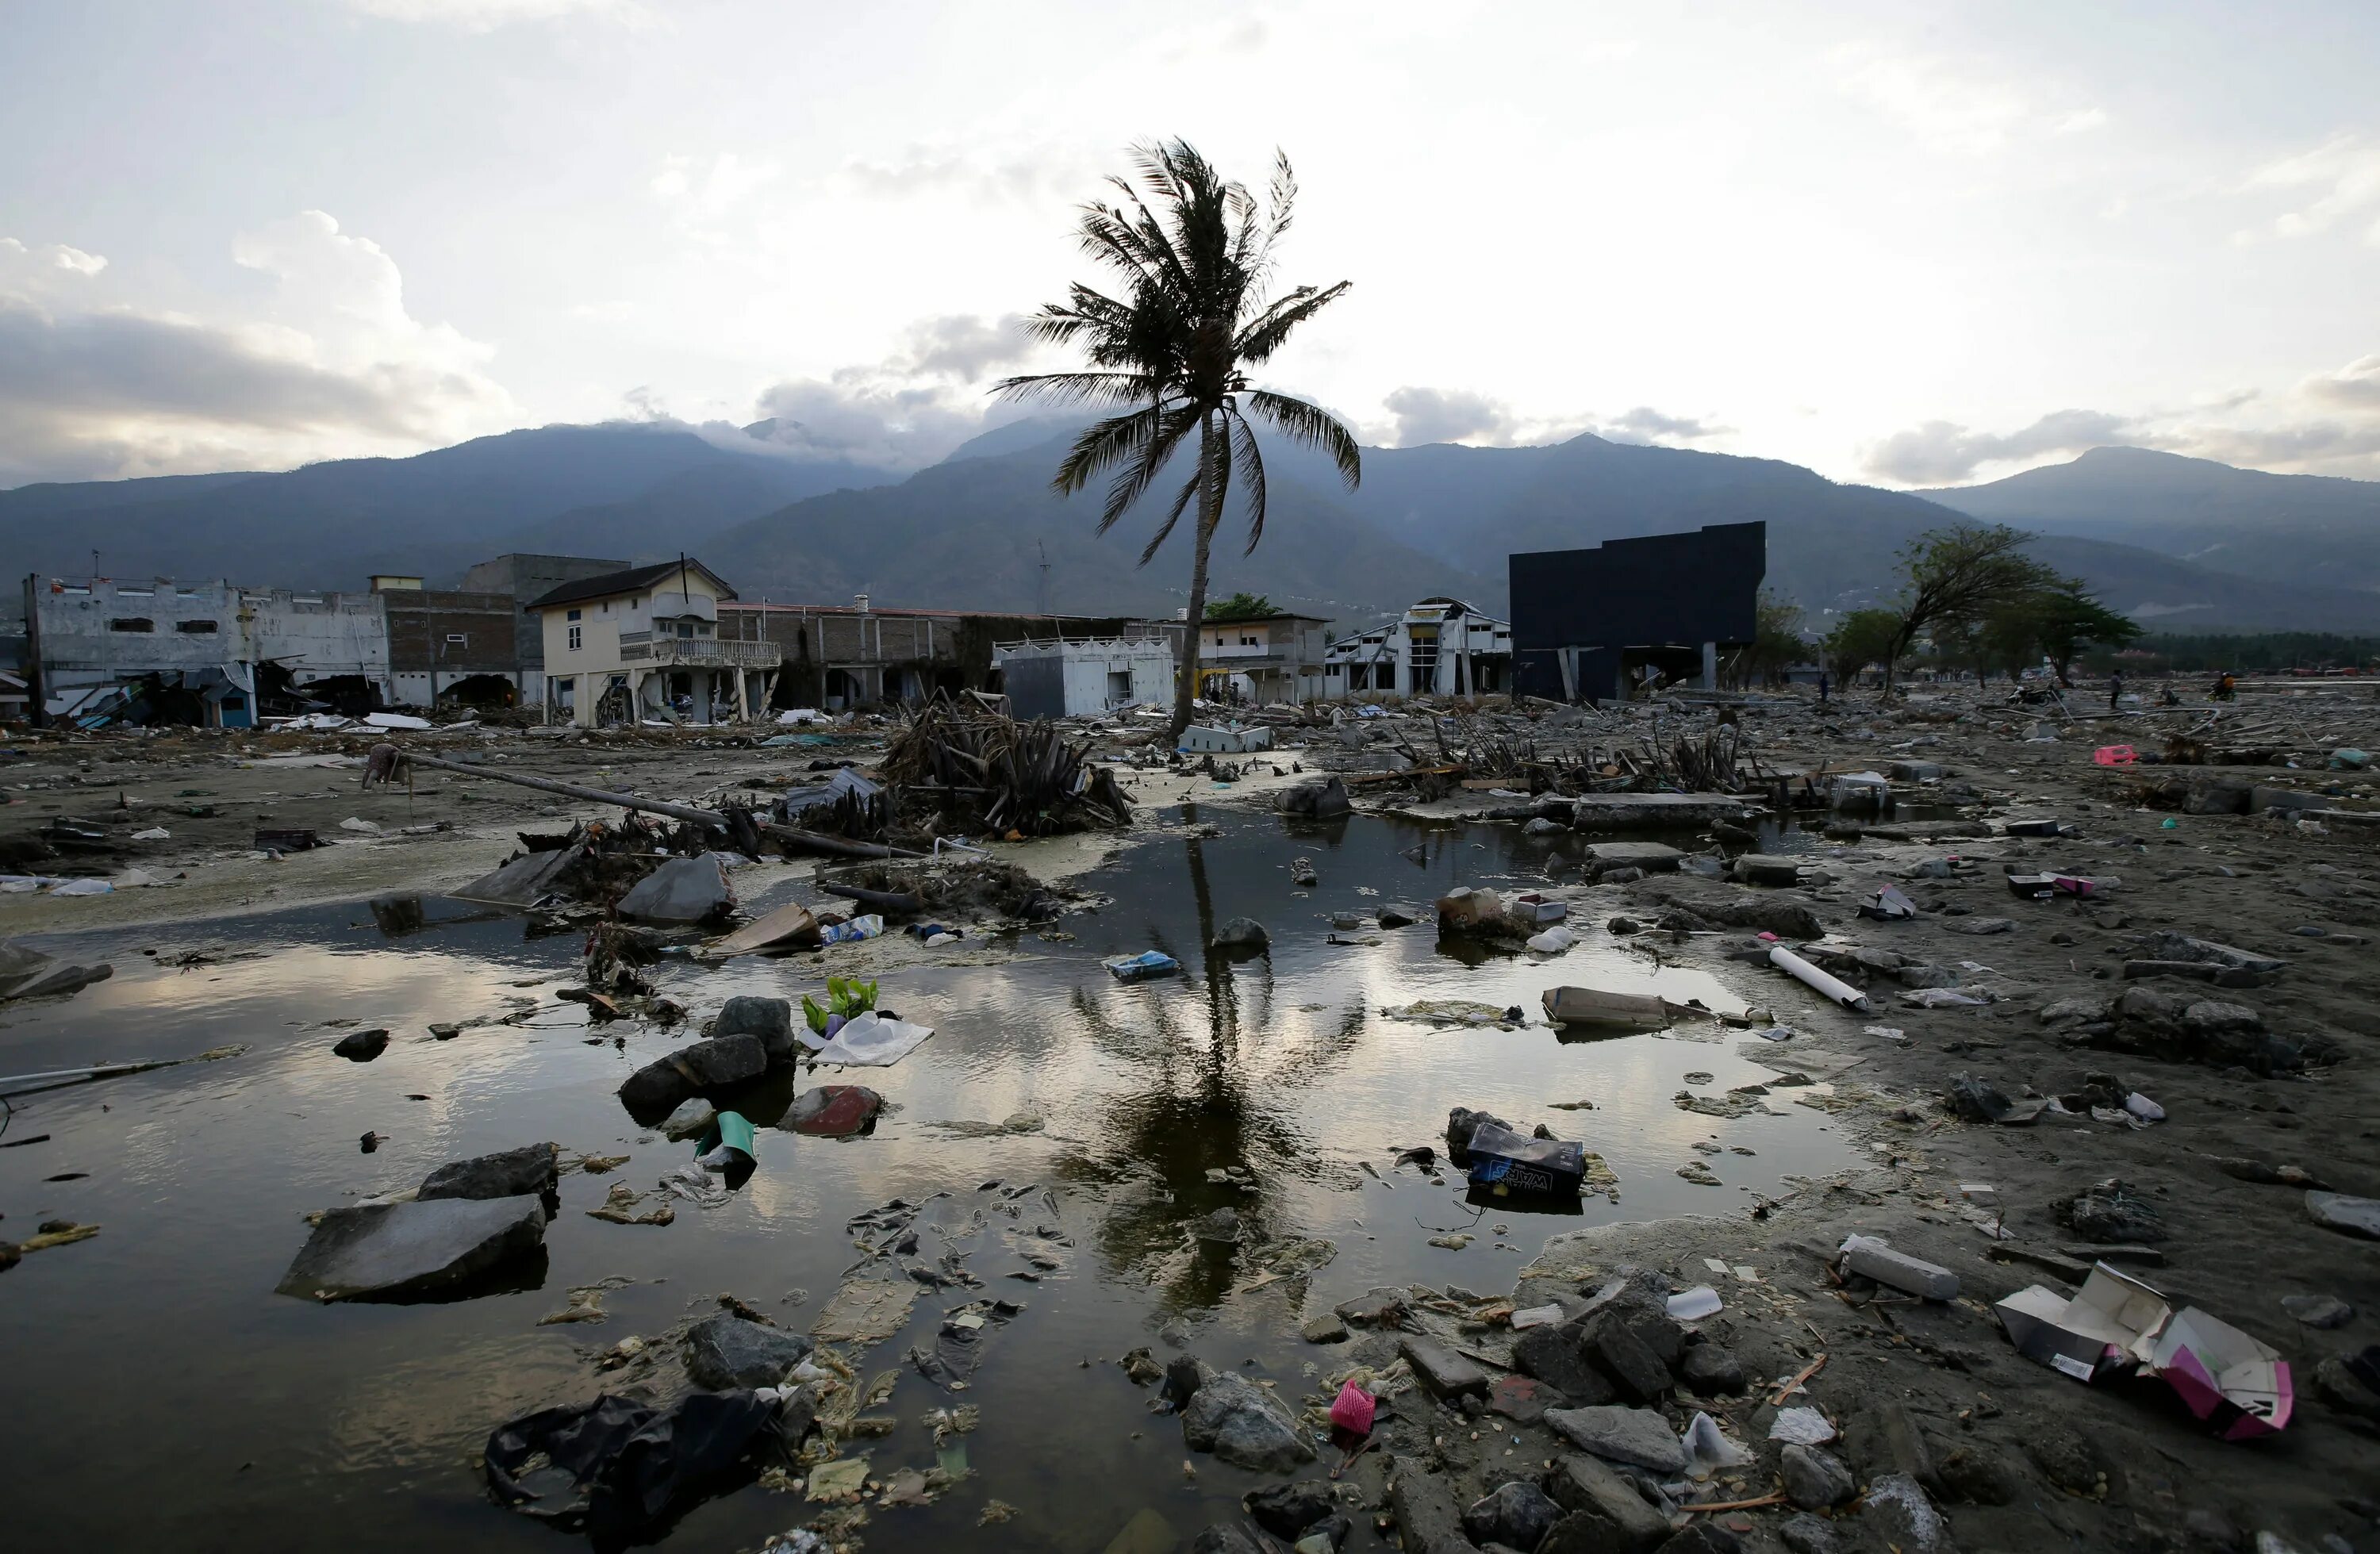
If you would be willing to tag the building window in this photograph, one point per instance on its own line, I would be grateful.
(575, 643)
(125, 590)
(686, 628)
(458, 639)
(197, 628)
(572, 616)
(132, 623)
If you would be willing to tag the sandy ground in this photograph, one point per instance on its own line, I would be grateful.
(2016, 1455)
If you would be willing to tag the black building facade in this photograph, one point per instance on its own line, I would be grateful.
(1584, 620)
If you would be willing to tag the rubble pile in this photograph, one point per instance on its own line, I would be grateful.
(960, 768)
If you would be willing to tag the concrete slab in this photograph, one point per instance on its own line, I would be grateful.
(393, 1249)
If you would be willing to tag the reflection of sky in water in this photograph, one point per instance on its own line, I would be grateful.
(361, 1422)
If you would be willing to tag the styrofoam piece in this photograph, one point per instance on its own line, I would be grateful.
(1801, 1426)
(1874, 1259)
(1693, 1305)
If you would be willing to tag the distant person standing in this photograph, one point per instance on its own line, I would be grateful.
(1822, 687)
(2115, 688)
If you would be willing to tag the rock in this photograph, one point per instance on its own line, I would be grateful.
(1461, 1124)
(1614, 1348)
(2351, 1383)
(1428, 1520)
(398, 1249)
(655, 1090)
(691, 1120)
(2319, 1311)
(1225, 1537)
(1382, 1307)
(1623, 925)
(2079, 1007)
(1814, 1479)
(1552, 1354)
(1709, 1370)
(841, 1110)
(1543, 827)
(1317, 798)
(1515, 1514)
(1762, 868)
(1243, 1423)
(1329, 1328)
(1903, 1517)
(1807, 1534)
(361, 1046)
(1243, 933)
(1706, 1536)
(1326, 1536)
(1393, 917)
(1636, 1436)
(2352, 1216)
(771, 1019)
(2209, 1018)
(1287, 1510)
(681, 891)
(2112, 1211)
(511, 1174)
(2065, 1457)
(1148, 1532)
(1648, 857)
(1625, 876)
(1606, 1513)
(725, 1351)
(1445, 1373)
(1976, 1100)
(1978, 1475)
(1221, 1227)
(1524, 1400)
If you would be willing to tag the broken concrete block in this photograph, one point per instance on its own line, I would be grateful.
(1636, 1436)
(2353, 1216)
(389, 1250)
(680, 890)
(727, 1352)
(1591, 1490)
(1445, 1373)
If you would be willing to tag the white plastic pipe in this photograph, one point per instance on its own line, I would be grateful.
(1834, 987)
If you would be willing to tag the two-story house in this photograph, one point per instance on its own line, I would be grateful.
(1266, 661)
(643, 644)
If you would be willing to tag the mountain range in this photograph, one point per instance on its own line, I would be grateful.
(2183, 544)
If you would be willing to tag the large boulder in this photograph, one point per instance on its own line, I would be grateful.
(506, 1174)
(1243, 934)
(396, 1250)
(654, 1091)
(726, 1352)
(771, 1019)
(1239, 1421)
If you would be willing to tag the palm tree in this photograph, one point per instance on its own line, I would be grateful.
(1195, 254)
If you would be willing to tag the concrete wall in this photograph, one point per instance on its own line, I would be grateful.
(1084, 679)
(111, 629)
(877, 655)
(318, 636)
(526, 576)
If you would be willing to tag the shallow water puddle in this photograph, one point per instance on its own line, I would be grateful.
(358, 1426)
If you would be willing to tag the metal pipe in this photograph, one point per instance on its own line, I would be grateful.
(838, 845)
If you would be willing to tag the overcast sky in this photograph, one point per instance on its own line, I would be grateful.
(1903, 243)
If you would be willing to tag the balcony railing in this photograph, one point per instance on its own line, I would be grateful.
(707, 652)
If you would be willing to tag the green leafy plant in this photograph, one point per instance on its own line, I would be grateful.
(845, 997)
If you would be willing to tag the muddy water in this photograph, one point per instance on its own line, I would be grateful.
(161, 1395)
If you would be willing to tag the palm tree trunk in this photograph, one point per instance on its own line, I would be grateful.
(1210, 509)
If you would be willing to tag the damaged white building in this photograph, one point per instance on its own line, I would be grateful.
(1440, 647)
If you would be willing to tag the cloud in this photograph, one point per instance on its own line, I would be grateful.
(1943, 453)
(2342, 176)
(1026, 175)
(861, 418)
(2355, 387)
(56, 256)
(486, 16)
(1645, 424)
(1949, 107)
(963, 345)
(1432, 415)
(93, 385)
(703, 189)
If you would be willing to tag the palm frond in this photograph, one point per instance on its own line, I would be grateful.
(1315, 427)
(1079, 388)
(1101, 446)
(1166, 430)
(1244, 438)
(1269, 330)
(1173, 514)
